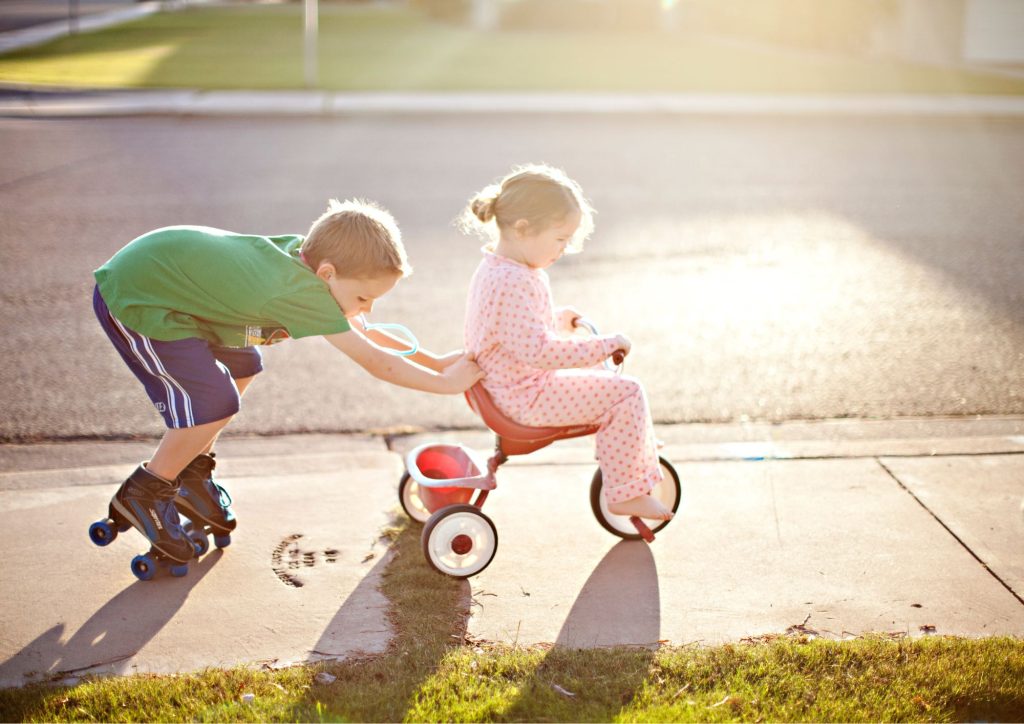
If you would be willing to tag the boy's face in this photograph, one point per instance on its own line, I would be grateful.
(356, 296)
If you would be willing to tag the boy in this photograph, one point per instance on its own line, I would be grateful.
(186, 307)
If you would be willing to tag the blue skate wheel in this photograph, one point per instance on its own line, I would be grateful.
(199, 541)
(144, 567)
(179, 569)
(222, 541)
(101, 533)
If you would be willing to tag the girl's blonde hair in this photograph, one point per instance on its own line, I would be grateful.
(360, 238)
(537, 193)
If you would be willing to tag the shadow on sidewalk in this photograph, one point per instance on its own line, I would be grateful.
(358, 616)
(617, 617)
(106, 643)
(427, 613)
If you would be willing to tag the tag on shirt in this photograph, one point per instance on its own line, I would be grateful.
(255, 335)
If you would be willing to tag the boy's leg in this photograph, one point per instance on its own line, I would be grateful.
(200, 497)
(180, 446)
(196, 396)
(241, 384)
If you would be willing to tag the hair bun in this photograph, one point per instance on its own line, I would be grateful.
(483, 207)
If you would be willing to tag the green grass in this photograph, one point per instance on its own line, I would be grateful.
(391, 48)
(432, 673)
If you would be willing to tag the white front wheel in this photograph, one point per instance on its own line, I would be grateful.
(459, 540)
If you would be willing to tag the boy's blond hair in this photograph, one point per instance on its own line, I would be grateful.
(537, 193)
(360, 238)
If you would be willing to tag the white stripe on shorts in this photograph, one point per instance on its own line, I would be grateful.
(190, 420)
(160, 374)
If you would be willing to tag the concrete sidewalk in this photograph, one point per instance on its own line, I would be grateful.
(838, 527)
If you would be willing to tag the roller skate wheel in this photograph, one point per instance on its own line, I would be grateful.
(200, 541)
(102, 533)
(144, 567)
(459, 541)
(179, 569)
(222, 541)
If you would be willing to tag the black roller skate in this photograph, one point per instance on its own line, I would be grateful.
(146, 502)
(206, 504)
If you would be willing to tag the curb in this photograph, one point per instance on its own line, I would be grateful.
(38, 103)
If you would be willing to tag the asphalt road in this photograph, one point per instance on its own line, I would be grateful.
(764, 268)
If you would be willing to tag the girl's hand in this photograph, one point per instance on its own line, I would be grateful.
(623, 343)
(461, 374)
(565, 319)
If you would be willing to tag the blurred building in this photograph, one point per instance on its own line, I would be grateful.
(941, 31)
(978, 31)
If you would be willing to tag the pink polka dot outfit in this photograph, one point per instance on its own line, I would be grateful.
(539, 378)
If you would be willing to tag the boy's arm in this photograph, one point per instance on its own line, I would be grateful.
(457, 377)
(422, 357)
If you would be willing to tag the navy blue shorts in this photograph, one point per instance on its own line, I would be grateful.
(190, 381)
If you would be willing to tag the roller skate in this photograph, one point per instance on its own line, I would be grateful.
(206, 504)
(146, 502)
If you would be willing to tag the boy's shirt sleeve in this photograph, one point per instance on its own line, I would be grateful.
(524, 329)
(306, 313)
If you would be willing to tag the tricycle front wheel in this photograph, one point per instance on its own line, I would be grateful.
(668, 491)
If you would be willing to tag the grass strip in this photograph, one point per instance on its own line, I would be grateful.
(392, 48)
(431, 672)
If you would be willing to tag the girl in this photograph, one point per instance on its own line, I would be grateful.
(535, 374)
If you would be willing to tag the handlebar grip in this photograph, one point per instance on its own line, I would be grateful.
(618, 356)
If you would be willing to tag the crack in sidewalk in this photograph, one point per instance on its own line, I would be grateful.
(949, 530)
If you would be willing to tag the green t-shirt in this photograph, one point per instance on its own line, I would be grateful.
(235, 290)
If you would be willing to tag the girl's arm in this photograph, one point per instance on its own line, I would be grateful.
(525, 334)
(457, 377)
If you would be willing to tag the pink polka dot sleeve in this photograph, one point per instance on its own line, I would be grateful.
(525, 328)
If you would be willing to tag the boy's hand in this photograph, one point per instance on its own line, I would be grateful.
(444, 361)
(461, 374)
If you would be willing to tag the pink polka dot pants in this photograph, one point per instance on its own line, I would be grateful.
(626, 447)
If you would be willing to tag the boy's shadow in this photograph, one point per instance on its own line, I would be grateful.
(618, 606)
(115, 633)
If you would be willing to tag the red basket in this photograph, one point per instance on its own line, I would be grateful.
(443, 462)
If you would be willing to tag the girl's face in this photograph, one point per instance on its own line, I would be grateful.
(542, 249)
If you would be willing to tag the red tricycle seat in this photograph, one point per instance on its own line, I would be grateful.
(513, 438)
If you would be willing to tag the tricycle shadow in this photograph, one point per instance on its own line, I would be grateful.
(620, 603)
(605, 649)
